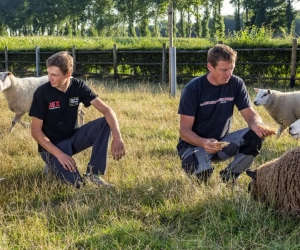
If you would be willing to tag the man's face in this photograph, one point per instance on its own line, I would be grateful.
(221, 73)
(56, 77)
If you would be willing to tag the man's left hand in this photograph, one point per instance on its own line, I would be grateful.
(117, 149)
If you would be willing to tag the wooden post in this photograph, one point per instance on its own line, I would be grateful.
(163, 65)
(74, 58)
(115, 61)
(170, 27)
(37, 61)
(293, 63)
(170, 24)
(6, 58)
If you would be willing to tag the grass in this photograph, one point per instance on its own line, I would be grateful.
(249, 37)
(154, 204)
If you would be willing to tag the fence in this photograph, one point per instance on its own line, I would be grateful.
(275, 63)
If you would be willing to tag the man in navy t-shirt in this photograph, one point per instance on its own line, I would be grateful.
(206, 109)
(54, 113)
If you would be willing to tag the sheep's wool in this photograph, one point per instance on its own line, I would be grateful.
(278, 183)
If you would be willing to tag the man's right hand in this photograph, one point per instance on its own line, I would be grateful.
(67, 162)
(210, 147)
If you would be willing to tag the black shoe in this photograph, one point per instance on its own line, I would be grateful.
(227, 176)
(204, 175)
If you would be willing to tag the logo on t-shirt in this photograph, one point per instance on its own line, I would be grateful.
(54, 105)
(220, 100)
(73, 101)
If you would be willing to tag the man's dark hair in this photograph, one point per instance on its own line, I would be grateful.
(221, 52)
(62, 60)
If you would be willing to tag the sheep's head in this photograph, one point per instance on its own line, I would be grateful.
(262, 96)
(294, 129)
(252, 185)
(5, 81)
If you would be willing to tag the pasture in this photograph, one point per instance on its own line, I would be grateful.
(154, 205)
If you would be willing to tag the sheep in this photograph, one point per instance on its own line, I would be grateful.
(294, 129)
(283, 107)
(277, 183)
(18, 93)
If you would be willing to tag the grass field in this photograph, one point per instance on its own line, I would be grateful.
(154, 205)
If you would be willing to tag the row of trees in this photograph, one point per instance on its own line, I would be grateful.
(197, 18)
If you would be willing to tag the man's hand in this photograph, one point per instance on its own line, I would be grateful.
(264, 130)
(211, 146)
(117, 149)
(67, 162)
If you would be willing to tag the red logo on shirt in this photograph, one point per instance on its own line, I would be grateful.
(54, 105)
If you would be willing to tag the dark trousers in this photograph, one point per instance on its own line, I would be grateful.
(94, 133)
(244, 146)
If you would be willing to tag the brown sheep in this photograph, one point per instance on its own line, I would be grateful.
(277, 183)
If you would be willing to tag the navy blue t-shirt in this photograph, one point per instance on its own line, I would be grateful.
(212, 106)
(59, 110)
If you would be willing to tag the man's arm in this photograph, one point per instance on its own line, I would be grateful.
(252, 118)
(117, 146)
(187, 135)
(36, 131)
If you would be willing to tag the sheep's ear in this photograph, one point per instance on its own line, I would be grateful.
(256, 90)
(269, 92)
(251, 173)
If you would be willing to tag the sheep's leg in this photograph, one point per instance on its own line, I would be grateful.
(81, 117)
(16, 119)
(25, 125)
(280, 130)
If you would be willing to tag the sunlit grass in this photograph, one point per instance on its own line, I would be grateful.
(154, 205)
(261, 38)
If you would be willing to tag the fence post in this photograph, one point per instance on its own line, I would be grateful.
(170, 29)
(37, 61)
(173, 71)
(115, 61)
(74, 58)
(6, 58)
(293, 63)
(163, 66)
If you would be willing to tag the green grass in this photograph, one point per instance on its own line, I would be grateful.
(154, 205)
(253, 38)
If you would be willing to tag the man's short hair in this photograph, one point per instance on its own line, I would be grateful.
(63, 60)
(221, 52)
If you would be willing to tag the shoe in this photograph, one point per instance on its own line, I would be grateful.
(47, 169)
(80, 184)
(204, 175)
(97, 180)
(227, 176)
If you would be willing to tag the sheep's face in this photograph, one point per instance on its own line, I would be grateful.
(252, 185)
(262, 96)
(4, 80)
(294, 129)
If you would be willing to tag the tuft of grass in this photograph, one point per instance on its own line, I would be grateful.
(154, 205)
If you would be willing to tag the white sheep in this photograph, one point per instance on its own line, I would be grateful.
(283, 107)
(18, 93)
(294, 129)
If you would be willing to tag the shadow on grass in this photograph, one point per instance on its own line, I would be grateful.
(153, 213)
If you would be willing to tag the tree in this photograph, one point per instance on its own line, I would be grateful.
(205, 22)
(237, 13)
(15, 15)
(129, 10)
(218, 27)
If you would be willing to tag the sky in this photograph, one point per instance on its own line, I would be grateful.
(229, 10)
